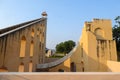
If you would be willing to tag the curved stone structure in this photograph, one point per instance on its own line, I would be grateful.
(26, 43)
(96, 46)
(9, 30)
(22, 46)
(55, 63)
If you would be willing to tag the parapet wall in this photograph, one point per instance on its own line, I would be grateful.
(113, 66)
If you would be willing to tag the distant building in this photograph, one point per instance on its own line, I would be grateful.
(50, 52)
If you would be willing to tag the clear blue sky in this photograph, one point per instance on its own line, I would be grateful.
(65, 17)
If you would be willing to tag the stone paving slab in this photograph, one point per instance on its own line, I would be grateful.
(60, 76)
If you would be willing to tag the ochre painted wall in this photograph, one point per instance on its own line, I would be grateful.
(10, 47)
(96, 46)
(113, 66)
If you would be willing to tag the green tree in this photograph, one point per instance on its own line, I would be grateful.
(116, 34)
(65, 47)
(68, 46)
(60, 47)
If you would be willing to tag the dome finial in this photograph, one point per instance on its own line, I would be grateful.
(44, 14)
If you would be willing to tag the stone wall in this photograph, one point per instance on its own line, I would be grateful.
(33, 34)
(96, 46)
(113, 66)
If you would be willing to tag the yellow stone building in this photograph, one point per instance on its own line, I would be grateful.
(97, 45)
(95, 51)
(22, 46)
(22, 49)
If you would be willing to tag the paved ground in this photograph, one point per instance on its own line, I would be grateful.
(59, 76)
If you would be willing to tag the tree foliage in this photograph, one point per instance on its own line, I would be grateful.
(65, 47)
(60, 47)
(116, 34)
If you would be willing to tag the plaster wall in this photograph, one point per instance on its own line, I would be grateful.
(95, 47)
(113, 66)
(10, 47)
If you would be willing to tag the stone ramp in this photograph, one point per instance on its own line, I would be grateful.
(57, 62)
(14, 28)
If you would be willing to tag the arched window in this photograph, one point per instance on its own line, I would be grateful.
(30, 66)
(73, 67)
(82, 66)
(43, 34)
(31, 48)
(21, 68)
(40, 45)
(23, 47)
(99, 33)
(81, 52)
(38, 32)
(43, 40)
(40, 38)
(81, 49)
(32, 33)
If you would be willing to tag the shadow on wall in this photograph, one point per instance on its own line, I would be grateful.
(57, 68)
(81, 62)
(118, 56)
(60, 68)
